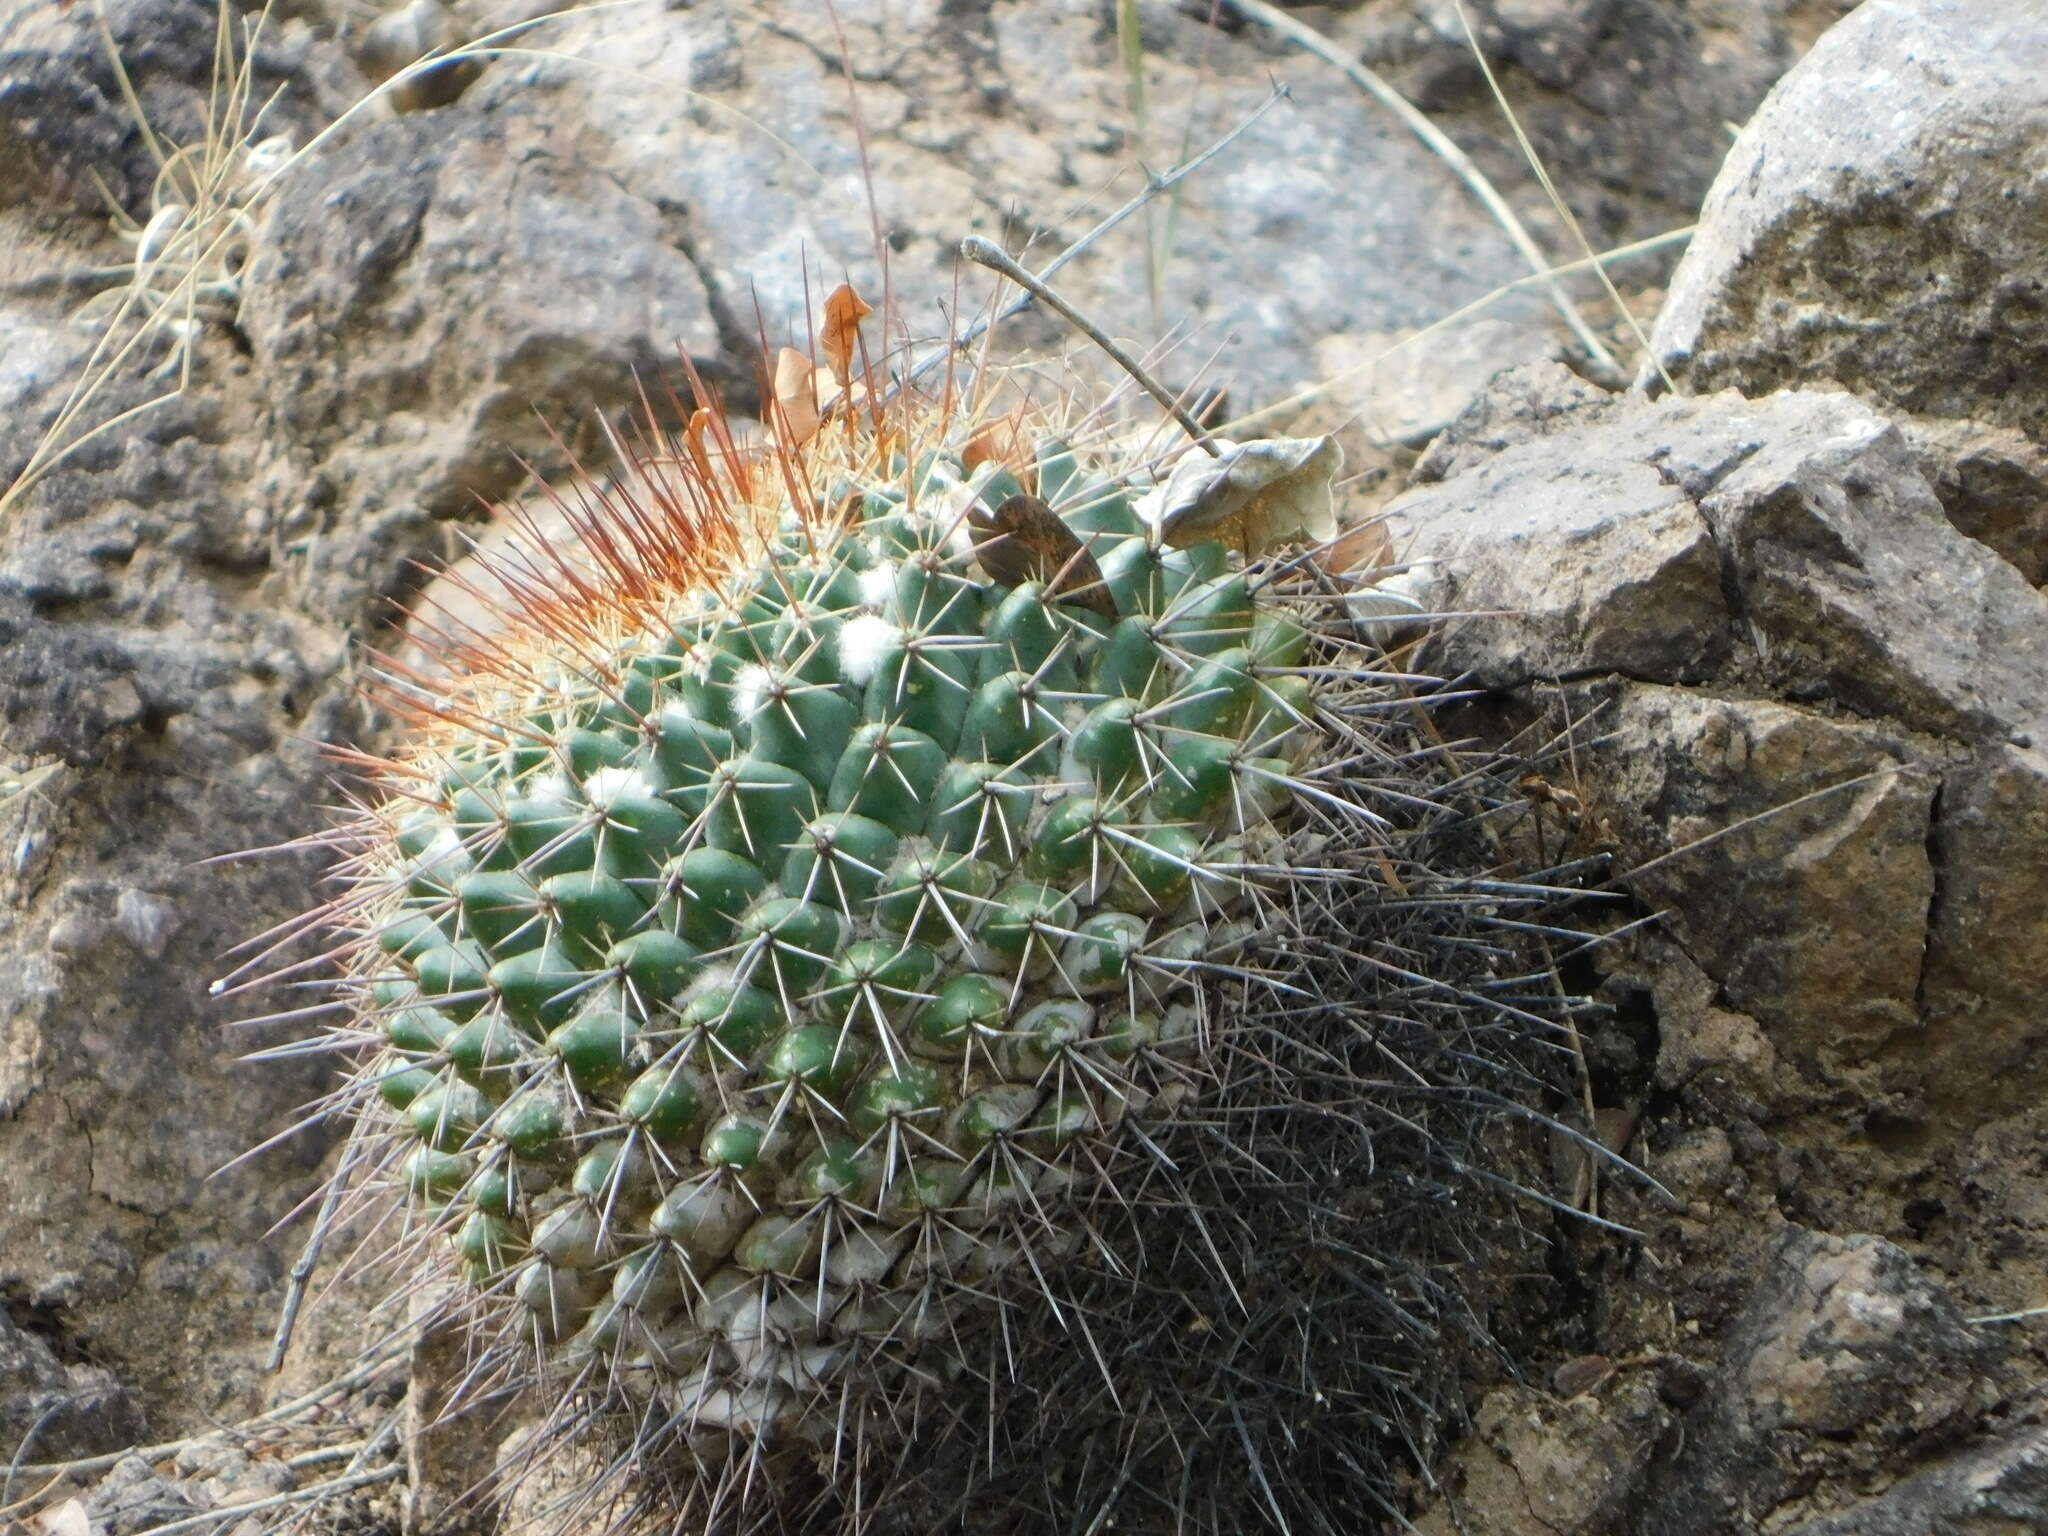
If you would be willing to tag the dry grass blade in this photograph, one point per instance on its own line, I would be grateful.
(1446, 149)
(1564, 212)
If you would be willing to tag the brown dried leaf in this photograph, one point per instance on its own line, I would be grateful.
(1251, 496)
(1006, 441)
(1360, 551)
(844, 311)
(1587, 1373)
(796, 395)
(1025, 540)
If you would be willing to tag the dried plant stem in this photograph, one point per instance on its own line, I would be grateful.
(309, 1259)
(986, 253)
(227, 1512)
(354, 1377)
(1445, 149)
(1154, 187)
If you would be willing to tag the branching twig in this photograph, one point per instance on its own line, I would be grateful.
(987, 253)
(1153, 187)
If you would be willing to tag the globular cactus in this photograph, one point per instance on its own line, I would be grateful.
(767, 931)
(772, 942)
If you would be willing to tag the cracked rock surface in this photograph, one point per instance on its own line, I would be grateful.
(1831, 1053)
(1810, 689)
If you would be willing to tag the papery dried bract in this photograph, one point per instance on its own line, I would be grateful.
(1025, 540)
(1005, 441)
(800, 388)
(844, 311)
(1251, 496)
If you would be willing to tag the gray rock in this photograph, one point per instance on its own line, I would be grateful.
(1812, 918)
(1847, 1355)
(1993, 484)
(1624, 100)
(454, 287)
(1003, 122)
(132, 1500)
(1987, 948)
(2002, 1486)
(50, 1410)
(1643, 543)
(1853, 583)
(1573, 562)
(1526, 402)
(1877, 222)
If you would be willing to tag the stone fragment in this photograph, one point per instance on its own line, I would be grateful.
(1993, 484)
(1877, 222)
(1846, 1355)
(1810, 916)
(1854, 584)
(1994, 1488)
(50, 1410)
(1528, 401)
(1572, 559)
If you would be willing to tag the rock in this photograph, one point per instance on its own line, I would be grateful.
(1580, 558)
(990, 121)
(2002, 1486)
(455, 288)
(1993, 484)
(1986, 946)
(1572, 1467)
(1790, 546)
(207, 1474)
(1624, 100)
(1702, 1045)
(1846, 1356)
(156, 637)
(1854, 581)
(1405, 387)
(1619, 547)
(1525, 402)
(133, 1500)
(1775, 901)
(1876, 222)
(50, 1411)
(57, 128)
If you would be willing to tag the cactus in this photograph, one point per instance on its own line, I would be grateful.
(742, 981)
(804, 919)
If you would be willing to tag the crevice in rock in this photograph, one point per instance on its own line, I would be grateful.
(740, 340)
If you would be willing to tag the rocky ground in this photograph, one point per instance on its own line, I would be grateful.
(1785, 591)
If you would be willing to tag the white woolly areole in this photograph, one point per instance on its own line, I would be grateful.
(877, 585)
(750, 690)
(944, 507)
(607, 786)
(863, 641)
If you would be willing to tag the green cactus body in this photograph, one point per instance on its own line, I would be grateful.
(766, 987)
